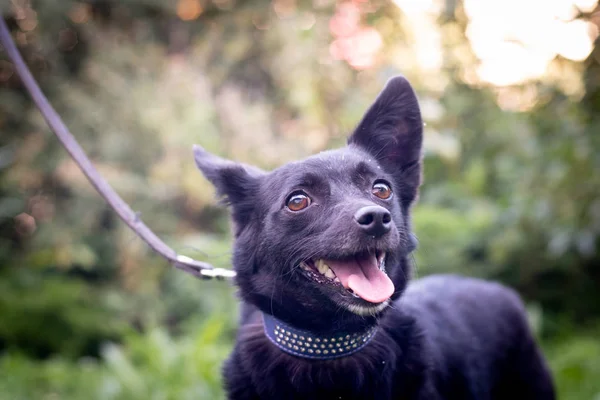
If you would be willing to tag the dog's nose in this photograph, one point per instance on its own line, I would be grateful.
(374, 220)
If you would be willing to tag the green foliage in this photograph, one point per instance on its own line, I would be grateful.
(145, 367)
(449, 240)
(575, 363)
(22, 378)
(156, 366)
(62, 315)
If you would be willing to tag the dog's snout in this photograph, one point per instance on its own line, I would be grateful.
(374, 220)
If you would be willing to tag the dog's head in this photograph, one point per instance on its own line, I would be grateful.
(321, 243)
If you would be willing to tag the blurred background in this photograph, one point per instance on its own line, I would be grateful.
(509, 90)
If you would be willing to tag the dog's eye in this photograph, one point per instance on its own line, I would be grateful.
(382, 190)
(298, 201)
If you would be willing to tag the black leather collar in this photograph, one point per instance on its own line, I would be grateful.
(306, 344)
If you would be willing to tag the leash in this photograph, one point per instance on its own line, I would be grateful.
(199, 269)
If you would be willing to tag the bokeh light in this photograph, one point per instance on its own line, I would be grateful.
(516, 40)
(356, 44)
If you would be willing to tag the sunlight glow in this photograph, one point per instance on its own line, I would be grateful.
(586, 5)
(413, 7)
(422, 20)
(516, 40)
(568, 43)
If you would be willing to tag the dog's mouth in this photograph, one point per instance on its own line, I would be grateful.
(363, 275)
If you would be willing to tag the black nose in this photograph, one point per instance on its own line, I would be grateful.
(374, 220)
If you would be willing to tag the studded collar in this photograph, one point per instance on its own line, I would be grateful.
(306, 344)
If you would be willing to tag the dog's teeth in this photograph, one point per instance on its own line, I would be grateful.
(322, 267)
(336, 279)
(381, 261)
(304, 266)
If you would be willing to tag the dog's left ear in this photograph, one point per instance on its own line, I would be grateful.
(392, 132)
(236, 183)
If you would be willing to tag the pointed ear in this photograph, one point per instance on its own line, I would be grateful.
(392, 132)
(236, 183)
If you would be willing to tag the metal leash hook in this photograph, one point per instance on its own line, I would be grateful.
(204, 273)
(199, 269)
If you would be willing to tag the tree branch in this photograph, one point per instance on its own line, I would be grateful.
(197, 268)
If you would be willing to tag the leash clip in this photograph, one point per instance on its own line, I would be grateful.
(202, 270)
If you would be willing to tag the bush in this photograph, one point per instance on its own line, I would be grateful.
(150, 366)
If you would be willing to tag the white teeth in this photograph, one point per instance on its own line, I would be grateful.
(336, 279)
(381, 261)
(304, 266)
(324, 270)
(322, 267)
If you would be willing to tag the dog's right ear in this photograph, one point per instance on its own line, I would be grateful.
(392, 132)
(235, 183)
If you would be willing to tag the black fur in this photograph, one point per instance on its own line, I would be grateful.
(442, 337)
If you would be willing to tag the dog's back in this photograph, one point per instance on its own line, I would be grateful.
(480, 345)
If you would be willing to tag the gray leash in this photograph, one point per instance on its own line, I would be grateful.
(196, 268)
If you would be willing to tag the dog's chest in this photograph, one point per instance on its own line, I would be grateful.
(270, 373)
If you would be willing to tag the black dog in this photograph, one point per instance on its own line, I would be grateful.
(321, 251)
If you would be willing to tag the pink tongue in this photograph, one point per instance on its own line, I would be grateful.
(364, 277)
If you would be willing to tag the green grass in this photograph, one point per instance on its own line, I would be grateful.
(158, 366)
(152, 366)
